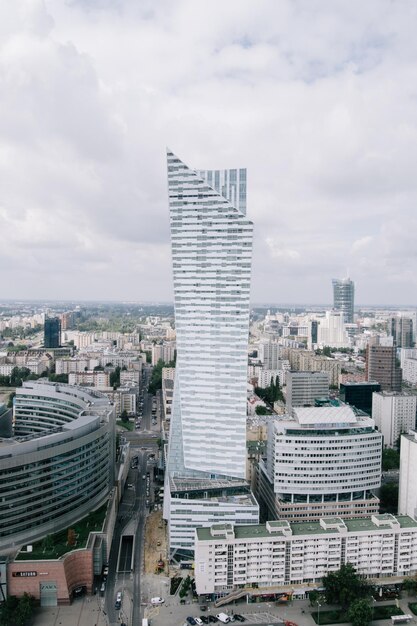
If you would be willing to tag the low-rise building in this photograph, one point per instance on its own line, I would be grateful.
(278, 554)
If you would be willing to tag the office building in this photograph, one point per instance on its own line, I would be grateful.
(52, 332)
(304, 387)
(359, 394)
(344, 297)
(211, 241)
(321, 461)
(163, 352)
(279, 554)
(394, 414)
(59, 464)
(401, 329)
(382, 367)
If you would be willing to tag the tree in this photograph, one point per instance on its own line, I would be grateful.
(262, 410)
(390, 459)
(410, 585)
(24, 609)
(389, 497)
(124, 416)
(18, 375)
(360, 612)
(344, 586)
(115, 378)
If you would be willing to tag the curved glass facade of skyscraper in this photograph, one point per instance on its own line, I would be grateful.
(59, 465)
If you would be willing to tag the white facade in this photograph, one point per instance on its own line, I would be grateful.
(211, 242)
(211, 256)
(278, 554)
(409, 367)
(95, 379)
(394, 413)
(269, 354)
(304, 387)
(331, 330)
(407, 496)
(265, 377)
(323, 461)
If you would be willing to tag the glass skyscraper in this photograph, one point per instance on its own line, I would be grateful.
(344, 297)
(211, 240)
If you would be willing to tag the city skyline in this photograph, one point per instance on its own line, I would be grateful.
(321, 112)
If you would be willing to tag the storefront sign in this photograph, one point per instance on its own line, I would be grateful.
(24, 574)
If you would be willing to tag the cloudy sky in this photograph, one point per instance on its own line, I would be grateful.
(317, 98)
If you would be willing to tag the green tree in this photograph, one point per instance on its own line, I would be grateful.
(124, 416)
(390, 459)
(18, 375)
(388, 495)
(410, 585)
(344, 586)
(360, 612)
(58, 378)
(262, 410)
(24, 609)
(115, 378)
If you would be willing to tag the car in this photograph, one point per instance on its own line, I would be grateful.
(191, 621)
(204, 619)
(199, 621)
(157, 600)
(118, 602)
(239, 618)
(105, 571)
(144, 476)
(212, 619)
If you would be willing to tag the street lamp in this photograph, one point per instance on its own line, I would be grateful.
(318, 613)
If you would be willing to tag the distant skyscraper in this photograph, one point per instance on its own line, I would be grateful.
(344, 297)
(52, 332)
(382, 367)
(401, 328)
(211, 256)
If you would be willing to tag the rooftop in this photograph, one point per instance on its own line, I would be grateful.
(330, 526)
(325, 415)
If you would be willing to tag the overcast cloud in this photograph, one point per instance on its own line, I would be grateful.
(317, 98)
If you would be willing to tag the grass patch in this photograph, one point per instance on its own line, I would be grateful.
(55, 546)
(339, 616)
(126, 425)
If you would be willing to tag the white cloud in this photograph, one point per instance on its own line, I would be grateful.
(316, 98)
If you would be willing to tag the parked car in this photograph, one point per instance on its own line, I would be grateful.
(157, 600)
(191, 621)
(118, 603)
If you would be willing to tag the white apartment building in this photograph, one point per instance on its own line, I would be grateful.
(91, 378)
(75, 364)
(163, 352)
(321, 461)
(269, 353)
(265, 377)
(130, 377)
(394, 413)
(331, 330)
(211, 244)
(409, 365)
(168, 373)
(278, 554)
(304, 387)
(407, 496)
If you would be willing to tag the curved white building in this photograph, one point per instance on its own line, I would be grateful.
(59, 465)
(322, 461)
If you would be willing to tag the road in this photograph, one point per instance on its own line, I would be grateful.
(130, 526)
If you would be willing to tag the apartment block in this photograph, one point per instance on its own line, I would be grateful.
(382, 367)
(394, 414)
(278, 553)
